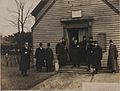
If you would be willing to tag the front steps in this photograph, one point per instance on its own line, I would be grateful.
(81, 69)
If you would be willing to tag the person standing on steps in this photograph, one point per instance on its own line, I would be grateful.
(97, 57)
(83, 50)
(90, 47)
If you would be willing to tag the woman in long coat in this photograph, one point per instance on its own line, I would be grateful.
(112, 58)
(25, 59)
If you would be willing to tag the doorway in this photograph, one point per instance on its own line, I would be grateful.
(78, 34)
(73, 33)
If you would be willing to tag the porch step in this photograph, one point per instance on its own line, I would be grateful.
(81, 69)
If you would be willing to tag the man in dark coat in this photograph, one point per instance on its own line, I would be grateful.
(71, 50)
(40, 57)
(83, 50)
(112, 58)
(66, 55)
(60, 52)
(25, 59)
(75, 53)
(49, 58)
(97, 57)
(90, 48)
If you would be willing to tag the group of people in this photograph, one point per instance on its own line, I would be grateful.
(44, 57)
(87, 51)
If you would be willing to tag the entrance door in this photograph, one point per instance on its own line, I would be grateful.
(77, 34)
(83, 32)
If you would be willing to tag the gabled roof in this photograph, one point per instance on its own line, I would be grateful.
(39, 7)
(114, 5)
(43, 10)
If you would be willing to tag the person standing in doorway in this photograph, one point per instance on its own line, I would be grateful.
(112, 58)
(49, 57)
(65, 51)
(83, 50)
(71, 48)
(40, 57)
(25, 59)
(97, 57)
(75, 53)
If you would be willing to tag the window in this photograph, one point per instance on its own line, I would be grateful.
(102, 41)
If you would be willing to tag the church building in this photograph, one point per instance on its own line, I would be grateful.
(55, 19)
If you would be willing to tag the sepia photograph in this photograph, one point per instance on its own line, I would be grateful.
(60, 45)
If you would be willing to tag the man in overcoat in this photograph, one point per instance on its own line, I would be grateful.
(71, 48)
(75, 54)
(97, 57)
(40, 57)
(112, 58)
(90, 48)
(60, 52)
(49, 57)
(25, 59)
(83, 50)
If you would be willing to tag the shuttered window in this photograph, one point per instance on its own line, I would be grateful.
(102, 41)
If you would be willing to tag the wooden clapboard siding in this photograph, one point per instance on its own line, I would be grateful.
(106, 20)
(49, 28)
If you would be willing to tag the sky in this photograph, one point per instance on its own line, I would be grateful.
(6, 28)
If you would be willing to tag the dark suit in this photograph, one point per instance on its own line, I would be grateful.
(75, 54)
(90, 49)
(97, 57)
(83, 51)
(61, 54)
(25, 59)
(40, 57)
(49, 57)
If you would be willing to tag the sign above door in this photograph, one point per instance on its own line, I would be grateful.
(76, 14)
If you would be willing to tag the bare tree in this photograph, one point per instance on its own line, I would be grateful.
(21, 15)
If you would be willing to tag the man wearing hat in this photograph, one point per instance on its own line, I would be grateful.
(49, 57)
(40, 57)
(97, 57)
(83, 51)
(90, 48)
(60, 52)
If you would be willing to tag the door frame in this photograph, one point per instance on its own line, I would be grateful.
(83, 22)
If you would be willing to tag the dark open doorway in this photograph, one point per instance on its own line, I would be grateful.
(78, 34)
(73, 33)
